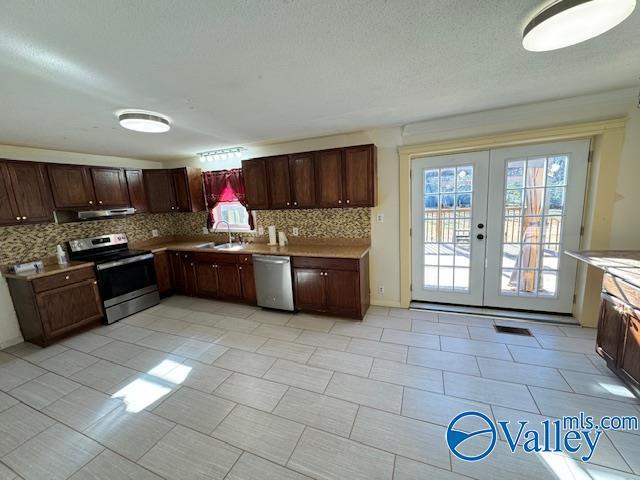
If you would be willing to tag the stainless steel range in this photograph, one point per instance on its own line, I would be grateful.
(126, 278)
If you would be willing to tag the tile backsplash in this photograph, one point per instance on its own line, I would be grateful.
(28, 242)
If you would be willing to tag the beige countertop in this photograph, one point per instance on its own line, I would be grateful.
(624, 264)
(49, 269)
(295, 250)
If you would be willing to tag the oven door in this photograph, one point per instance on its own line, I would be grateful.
(125, 279)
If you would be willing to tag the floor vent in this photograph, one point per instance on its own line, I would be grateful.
(512, 330)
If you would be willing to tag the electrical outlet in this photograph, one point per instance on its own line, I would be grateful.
(205, 230)
(380, 290)
(380, 218)
(295, 231)
(155, 233)
(260, 230)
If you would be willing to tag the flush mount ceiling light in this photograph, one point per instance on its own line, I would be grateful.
(141, 121)
(222, 154)
(568, 22)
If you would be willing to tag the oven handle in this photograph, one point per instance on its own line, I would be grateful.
(124, 261)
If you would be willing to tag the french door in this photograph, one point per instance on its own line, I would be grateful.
(489, 228)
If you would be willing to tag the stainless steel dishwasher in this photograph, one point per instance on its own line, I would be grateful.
(274, 287)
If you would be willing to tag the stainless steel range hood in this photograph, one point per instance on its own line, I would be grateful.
(68, 216)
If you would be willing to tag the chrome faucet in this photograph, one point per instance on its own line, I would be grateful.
(228, 229)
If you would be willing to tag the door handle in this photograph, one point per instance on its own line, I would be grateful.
(481, 225)
(480, 236)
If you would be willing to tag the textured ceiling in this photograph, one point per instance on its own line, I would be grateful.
(241, 71)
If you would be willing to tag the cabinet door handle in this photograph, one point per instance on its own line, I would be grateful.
(24, 218)
(17, 218)
(295, 203)
(173, 208)
(100, 202)
(347, 200)
(66, 277)
(95, 282)
(90, 202)
(191, 264)
(339, 201)
(239, 268)
(287, 204)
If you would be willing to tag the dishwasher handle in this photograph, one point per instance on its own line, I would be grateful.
(274, 259)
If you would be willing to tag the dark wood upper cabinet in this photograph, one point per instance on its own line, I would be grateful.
(110, 187)
(360, 176)
(71, 186)
(303, 179)
(181, 190)
(135, 185)
(28, 197)
(279, 183)
(329, 178)
(255, 182)
(158, 185)
(188, 189)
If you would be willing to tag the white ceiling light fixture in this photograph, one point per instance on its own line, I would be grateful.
(568, 22)
(143, 121)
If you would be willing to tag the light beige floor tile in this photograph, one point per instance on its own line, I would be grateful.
(145, 391)
(450, 361)
(263, 434)
(141, 319)
(7, 401)
(86, 342)
(397, 323)
(194, 409)
(601, 365)
(277, 331)
(433, 328)
(238, 324)
(407, 375)
(169, 312)
(103, 375)
(168, 325)
(297, 375)
(81, 408)
(407, 469)
(193, 349)
(273, 318)
(18, 424)
(245, 362)
(251, 467)
(410, 438)
(378, 310)
(203, 318)
(188, 455)
(475, 347)
(464, 319)
(128, 333)
(489, 391)
(579, 332)
(357, 330)
(488, 334)
(153, 360)
(15, 371)
(388, 351)
(118, 352)
(411, 339)
(329, 457)
(408, 313)
(309, 322)
(341, 362)
(440, 409)
(364, 391)
(6, 473)
(575, 345)
(557, 404)
(111, 466)
(324, 340)
(628, 445)
(205, 378)
(552, 358)
(509, 371)
(235, 310)
(69, 362)
(319, 411)
(33, 353)
(54, 454)
(202, 333)
(165, 342)
(131, 434)
(251, 391)
(44, 390)
(242, 341)
(287, 350)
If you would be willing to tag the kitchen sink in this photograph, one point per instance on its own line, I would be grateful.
(221, 246)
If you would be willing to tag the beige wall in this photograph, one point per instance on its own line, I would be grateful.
(9, 330)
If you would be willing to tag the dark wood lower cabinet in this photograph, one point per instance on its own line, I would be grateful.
(162, 264)
(229, 281)
(618, 340)
(206, 280)
(332, 285)
(54, 306)
(247, 282)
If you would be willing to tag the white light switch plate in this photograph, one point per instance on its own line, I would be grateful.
(155, 233)
(205, 230)
(260, 230)
(295, 231)
(380, 217)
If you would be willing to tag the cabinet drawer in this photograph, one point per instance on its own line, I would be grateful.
(326, 263)
(622, 290)
(245, 258)
(61, 279)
